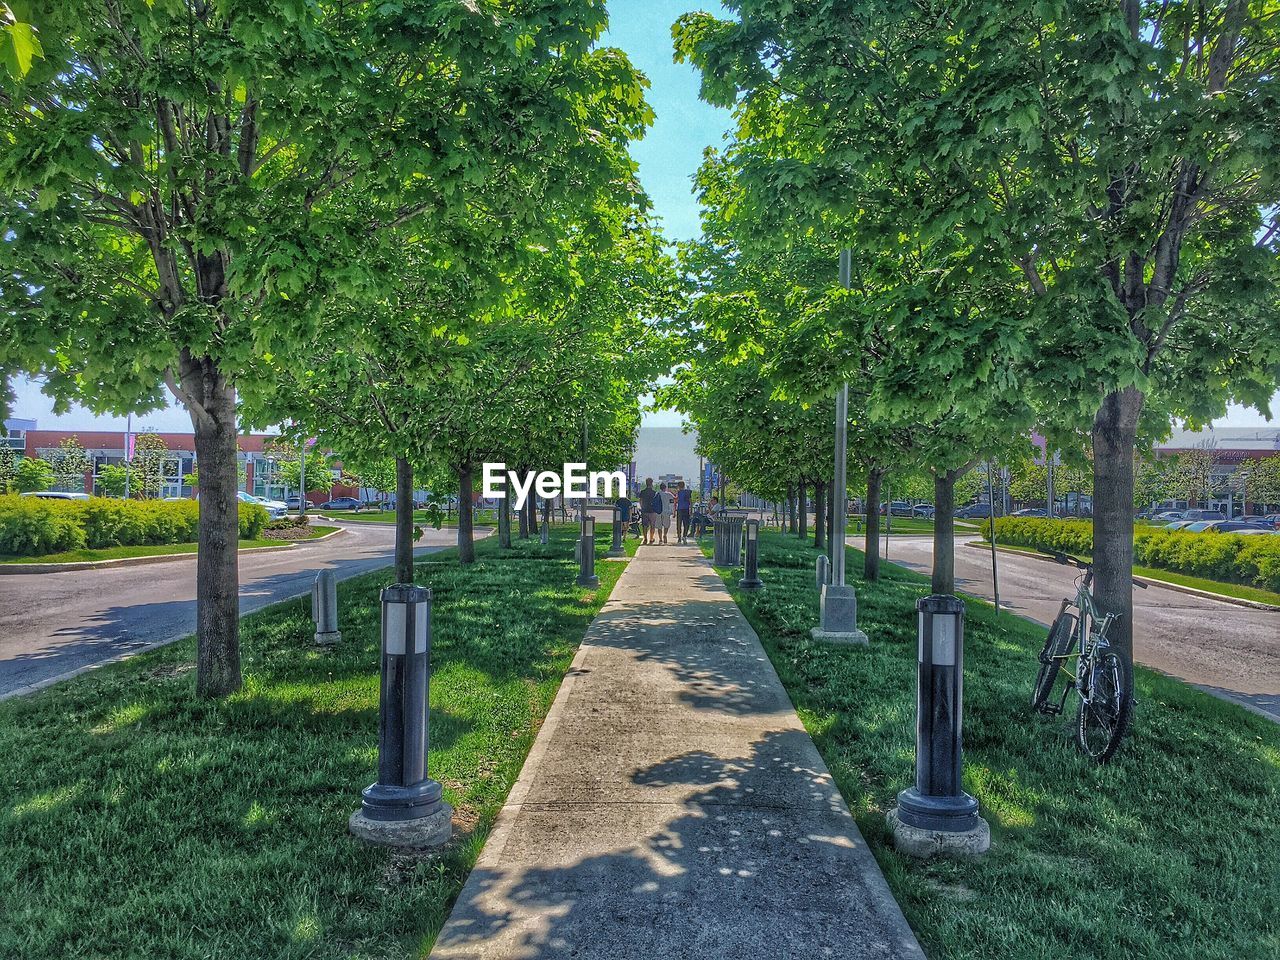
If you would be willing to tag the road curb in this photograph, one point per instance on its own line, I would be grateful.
(1150, 581)
(15, 569)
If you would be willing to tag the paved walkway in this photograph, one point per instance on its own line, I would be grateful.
(673, 805)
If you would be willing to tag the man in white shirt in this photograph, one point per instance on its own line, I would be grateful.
(668, 501)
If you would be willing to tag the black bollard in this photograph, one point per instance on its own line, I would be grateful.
(587, 554)
(936, 815)
(616, 549)
(404, 808)
(751, 566)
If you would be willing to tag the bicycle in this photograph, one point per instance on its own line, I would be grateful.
(1103, 676)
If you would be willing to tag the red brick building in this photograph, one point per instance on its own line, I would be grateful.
(107, 448)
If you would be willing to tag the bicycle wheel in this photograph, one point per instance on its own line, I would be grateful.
(1056, 646)
(1106, 706)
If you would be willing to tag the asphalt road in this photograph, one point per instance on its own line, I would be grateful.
(1228, 650)
(53, 625)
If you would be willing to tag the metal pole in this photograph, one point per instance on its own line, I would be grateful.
(995, 573)
(128, 459)
(302, 481)
(840, 474)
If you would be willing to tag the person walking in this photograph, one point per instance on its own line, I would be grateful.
(684, 512)
(667, 502)
(648, 512)
(623, 503)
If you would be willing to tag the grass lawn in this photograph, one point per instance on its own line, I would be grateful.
(905, 526)
(118, 553)
(137, 821)
(481, 517)
(155, 550)
(1169, 852)
(1237, 590)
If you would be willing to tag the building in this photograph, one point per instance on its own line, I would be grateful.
(108, 448)
(1228, 447)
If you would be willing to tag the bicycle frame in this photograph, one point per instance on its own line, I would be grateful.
(1091, 635)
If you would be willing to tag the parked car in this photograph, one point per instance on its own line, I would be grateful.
(1030, 512)
(1203, 515)
(341, 503)
(923, 510)
(1273, 519)
(275, 509)
(899, 508)
(56, 495)
(1178, 525)
(974, 511)
(293, 503)
(1224, 526)
(1170, 515)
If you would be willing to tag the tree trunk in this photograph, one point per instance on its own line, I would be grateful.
(1114, 432)
(871, 556)
(466, 515)
(217, 560)
(526, 518)
(944, 526)
(803, 510)
(819, 515)
(404, 520)
(504, 523)
(791, 508)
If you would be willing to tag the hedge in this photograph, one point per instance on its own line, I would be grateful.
(32, 526)
(1250, 560)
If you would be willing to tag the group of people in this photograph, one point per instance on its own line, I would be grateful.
(657, 508)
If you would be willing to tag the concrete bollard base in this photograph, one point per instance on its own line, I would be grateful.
(924, 843)
(329, 639)
(838, 621)
(429, 831)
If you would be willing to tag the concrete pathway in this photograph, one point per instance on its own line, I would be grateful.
(673, 805)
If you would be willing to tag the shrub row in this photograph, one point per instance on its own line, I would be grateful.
(32, 527)
(1250, 560)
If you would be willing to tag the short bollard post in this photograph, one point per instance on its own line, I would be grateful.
(405, 808)
(324, 608)
(822, 571)
(751, 566)
(587, 554)
(546, 534)
(615, 549)
(936, 816)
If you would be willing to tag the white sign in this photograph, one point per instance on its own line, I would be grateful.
(574, 482)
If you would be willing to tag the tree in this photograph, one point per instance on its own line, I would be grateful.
(1261, 480)
(289, 471)
(1122, 176)
(69, 462)
(191, 180)
(33, 474)
(1191, 474)
(150, 457)
(112, 480)
(8, 468)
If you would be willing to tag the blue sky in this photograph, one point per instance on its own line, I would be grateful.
(668, 158)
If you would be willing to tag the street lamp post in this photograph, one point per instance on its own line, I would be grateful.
(838, 604)
(404, 808)
(936, 816)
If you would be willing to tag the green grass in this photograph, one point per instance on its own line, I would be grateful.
(1238, 590)
(906, 526)
(1169, 852)
(155, 550)
(138, 821)
(119, 553)
(481, 517)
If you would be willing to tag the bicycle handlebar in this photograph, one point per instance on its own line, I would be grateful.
(1067, 560)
